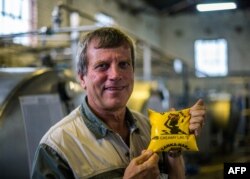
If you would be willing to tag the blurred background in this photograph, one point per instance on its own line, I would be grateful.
(183, 53)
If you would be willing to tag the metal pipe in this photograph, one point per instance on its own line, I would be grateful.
(147, 57)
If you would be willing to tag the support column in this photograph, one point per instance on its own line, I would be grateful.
(74, 37)
(147, 58)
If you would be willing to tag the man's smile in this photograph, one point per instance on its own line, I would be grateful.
(114, 88)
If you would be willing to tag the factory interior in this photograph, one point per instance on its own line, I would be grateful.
(182, 55)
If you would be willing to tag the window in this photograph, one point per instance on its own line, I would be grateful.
(15, 18)
(211, 58)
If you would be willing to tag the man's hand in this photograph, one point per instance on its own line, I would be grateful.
(143, 167)
(197, 112)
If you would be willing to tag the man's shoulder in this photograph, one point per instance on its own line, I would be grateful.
(67, 124)
(140, 118)
(138, 115)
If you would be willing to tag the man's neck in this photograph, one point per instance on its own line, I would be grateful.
(115, 120)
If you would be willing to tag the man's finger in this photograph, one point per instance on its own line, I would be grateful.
(199, 103)
(144, 157)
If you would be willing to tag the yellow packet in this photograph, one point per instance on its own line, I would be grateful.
(170, 131)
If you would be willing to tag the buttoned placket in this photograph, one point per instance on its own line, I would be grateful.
(125, 152)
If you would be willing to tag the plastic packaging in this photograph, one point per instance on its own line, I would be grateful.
(170, 131)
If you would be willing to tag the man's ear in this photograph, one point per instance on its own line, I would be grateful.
(82, 81)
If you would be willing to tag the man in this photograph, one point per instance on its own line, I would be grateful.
(102, 138)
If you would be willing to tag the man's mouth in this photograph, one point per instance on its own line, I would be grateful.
(115, 88)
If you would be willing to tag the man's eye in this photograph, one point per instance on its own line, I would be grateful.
(124, 65)
(102, 66)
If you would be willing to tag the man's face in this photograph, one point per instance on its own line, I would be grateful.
(110, 78)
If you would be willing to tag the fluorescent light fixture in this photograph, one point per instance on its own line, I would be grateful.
(104, 19)
(216, 6)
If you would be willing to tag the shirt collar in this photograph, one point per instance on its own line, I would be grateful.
(97, 126)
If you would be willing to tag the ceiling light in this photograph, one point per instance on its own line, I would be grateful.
(216, 6)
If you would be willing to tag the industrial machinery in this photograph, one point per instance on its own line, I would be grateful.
(31, 100)
(149, 94)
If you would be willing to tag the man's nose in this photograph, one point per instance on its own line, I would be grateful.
(115, 72)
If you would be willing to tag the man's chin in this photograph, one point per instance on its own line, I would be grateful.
(116, 106)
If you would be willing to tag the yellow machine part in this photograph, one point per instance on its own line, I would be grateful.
(220, 112)
(140, 95)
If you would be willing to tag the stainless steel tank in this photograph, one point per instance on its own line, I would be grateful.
(31, 100)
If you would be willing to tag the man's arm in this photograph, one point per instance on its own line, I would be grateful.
(48, 164)
(175, 167)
